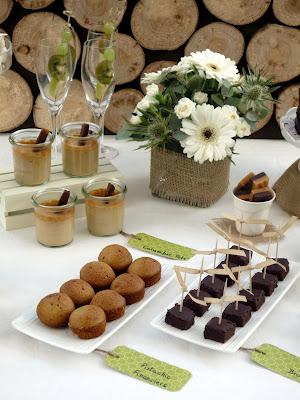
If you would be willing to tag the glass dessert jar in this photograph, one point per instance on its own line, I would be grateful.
(80, 153)
(32, 161)
(54, 223)
(104, 211)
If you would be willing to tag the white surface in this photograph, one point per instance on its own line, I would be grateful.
(195, 333)
(30, 325)
(33, 370)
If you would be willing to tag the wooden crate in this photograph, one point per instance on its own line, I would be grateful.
(16, 209)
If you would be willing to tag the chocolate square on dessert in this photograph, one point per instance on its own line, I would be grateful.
(180, 319)
(240, 316)
(240, 260)
(219, 332)
(215, 289)
(230, 282)
(254, 300)
(245, 185)
(276, 269)
(260, 195)
(267, 285)
(198, 309)
(260, 180)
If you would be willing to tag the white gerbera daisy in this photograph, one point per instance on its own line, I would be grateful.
(210, 134)
(152, 89)
(215, 65)
(155, 77)
(184, 66)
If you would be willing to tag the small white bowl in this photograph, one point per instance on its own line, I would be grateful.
(252, 210)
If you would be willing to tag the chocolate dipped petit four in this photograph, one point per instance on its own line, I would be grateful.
(255, 299)
(276, 269)
(267, 284)
(239, 316)
(183, 319)
(230, 282)
(240, 260)
(198, 309)
(219, 332)
(214, 288)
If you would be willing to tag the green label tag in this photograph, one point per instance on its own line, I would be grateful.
(278, 360)
(154, 245)
(148, 369)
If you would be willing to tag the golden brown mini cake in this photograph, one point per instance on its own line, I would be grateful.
(131, 286)
(147, 268)
(118, 257)
(88, 322)
(55, 309)
(98, 274)
(111, 302)
(80, 291)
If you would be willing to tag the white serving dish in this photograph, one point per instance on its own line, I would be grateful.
(195, 333)
(29, 324)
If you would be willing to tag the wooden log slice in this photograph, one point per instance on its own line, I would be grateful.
(275, 49)
(122, 105)
(164, 25)
(30, 30)
(154, 67)
(34, 4)
(237, 12)
(5, 9)
(93, 13)
(219, 37)
(75, 108)
(287, 11)
(263, 122)
(130, 59)
(16, 101)
(288, 98)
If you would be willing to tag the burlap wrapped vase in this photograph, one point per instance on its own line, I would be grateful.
(287, 190)
(178, 178)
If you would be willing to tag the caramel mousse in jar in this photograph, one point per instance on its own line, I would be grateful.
(104, 204)
(54, 211)
(31, 155)
(80, 148)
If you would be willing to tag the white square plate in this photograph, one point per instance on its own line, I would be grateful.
(30, 325)
(195, 333)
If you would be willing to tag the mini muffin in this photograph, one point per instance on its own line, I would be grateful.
(55, 309)
(111, 302)
(98, 274)
(147, 268)
(131, 286)
(118, 257)
(88, 322)
(80, 291)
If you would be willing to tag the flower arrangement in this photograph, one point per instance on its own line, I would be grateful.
(200, 107)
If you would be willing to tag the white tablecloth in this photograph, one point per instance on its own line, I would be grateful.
(32, 370)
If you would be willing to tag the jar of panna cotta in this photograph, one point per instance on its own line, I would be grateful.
(80, 154)
(54, 223)
(105, 214)
(32, 161)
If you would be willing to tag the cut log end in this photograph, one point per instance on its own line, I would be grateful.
(16, 101)
(275, 49)
(164, 25)
(75, 108)
(287, 11)
(219, 37)
(5, 9)
(35, 4)
(237, 12)
(130, 59)
(289, 97)
(122, 105)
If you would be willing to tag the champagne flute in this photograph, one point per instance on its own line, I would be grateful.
(54, 67)
(97, 75)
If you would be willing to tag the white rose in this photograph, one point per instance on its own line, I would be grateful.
(200, 97)
(152, 90)
(135, 120)
(231, 113)
(144, 104)
(243, 128)
(184, 108)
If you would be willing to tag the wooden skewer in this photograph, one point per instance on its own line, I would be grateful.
(277, 245)
(250, 278)
(182, 293)
(215, 259)
(265, 269)
(238, 290)
(200, 276)
(222, 302)
(241, 230)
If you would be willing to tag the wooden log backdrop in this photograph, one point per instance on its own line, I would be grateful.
(152, 34)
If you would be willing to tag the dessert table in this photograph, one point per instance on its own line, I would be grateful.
(33, 370)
